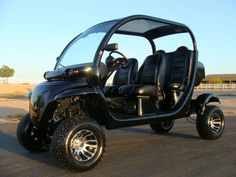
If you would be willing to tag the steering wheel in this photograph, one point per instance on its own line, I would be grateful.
(113, 63)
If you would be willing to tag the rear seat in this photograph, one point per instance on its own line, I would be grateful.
(178, 64)
(179, 68)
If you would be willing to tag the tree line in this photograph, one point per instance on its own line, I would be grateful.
(6, 72)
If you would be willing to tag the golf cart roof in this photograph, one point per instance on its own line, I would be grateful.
(146, 26)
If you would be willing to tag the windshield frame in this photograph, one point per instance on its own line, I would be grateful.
(101, 27)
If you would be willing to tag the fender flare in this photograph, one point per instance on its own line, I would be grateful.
(202, 100)
(88, 91)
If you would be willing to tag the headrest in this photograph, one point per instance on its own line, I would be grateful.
(132, 61)
(181, 50)
(160, 52)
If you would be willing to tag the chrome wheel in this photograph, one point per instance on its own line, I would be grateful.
(211, 124)
(216, 123)
(79, 144)
(84, 145)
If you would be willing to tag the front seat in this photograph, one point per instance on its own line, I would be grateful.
(151, 78)
(123, 76)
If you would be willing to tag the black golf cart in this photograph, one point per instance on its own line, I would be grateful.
(97, 82)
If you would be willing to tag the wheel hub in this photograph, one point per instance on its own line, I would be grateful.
(84, 145)
(216, 123)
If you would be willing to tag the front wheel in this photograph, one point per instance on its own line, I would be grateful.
(79, 144)
(211, 124)
(163, 127)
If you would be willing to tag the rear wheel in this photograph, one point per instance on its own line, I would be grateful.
(163, 127)
(28, 135)
(79, 144)
(211, 124)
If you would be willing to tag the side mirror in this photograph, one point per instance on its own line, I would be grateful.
(57, 58)
(111, 47)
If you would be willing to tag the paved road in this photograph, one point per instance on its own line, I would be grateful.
(133, 152)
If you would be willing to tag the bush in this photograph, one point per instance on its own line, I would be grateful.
(216, 80)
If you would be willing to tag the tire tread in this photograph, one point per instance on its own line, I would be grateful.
(59, 138)
(202, 125)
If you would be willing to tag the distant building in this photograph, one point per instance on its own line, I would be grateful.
(225, 78)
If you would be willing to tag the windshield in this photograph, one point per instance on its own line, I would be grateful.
(82, 49)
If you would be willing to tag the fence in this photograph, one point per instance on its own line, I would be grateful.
(217, 86)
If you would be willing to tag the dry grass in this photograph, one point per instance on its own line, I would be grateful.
(15, 91)
(13, 100)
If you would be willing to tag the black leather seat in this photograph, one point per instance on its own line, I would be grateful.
(123, 76)
(180, 69)
(151, 77)
(177, 78)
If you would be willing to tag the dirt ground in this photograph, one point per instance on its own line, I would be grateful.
(13, 99)
(14, 102)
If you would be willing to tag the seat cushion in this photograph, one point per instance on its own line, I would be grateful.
(138, 90)
(111, 91)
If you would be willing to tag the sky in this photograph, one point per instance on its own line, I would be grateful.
(33, 33)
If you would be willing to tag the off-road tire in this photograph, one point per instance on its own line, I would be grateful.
(62, 143)
(163, 127)
(26, 137)
(211, 124)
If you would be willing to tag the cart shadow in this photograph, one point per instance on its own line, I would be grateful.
(169, 134)
(10, 143)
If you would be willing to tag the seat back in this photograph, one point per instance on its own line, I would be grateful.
(180, 66)
(124, 76)
(153, 71)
